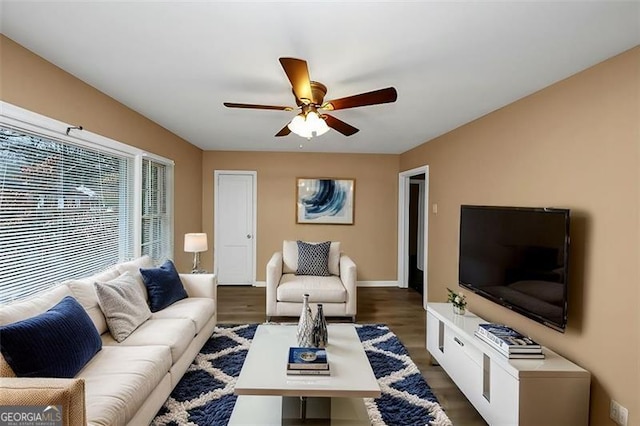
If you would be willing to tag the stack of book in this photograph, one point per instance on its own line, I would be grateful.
(308, 362)
(509, 342)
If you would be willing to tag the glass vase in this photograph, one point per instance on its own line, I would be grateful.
(459, 310)
(305, 325)
(320, 335)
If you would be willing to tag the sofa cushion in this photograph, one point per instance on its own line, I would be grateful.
(290, 257)
(313, 259)
(176, 334)
(56, 343)
(85, 293)
(197, 309)
(320, 289)
(33, 306)
(119, 379)
(163, 285)
(123, 304)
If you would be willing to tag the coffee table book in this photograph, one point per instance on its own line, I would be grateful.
(307, 359)
(309, 372)
(525, 354)
(506, 337)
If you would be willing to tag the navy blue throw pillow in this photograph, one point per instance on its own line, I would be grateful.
(163, 285)
(313, 259)
(56, 343)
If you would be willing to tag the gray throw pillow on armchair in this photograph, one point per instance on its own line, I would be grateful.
(313, 259)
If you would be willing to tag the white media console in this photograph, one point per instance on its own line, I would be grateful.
(506, 392)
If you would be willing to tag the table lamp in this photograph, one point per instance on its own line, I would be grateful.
(195, 243)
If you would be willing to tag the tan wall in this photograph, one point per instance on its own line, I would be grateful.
(30, 82)
(575, 144)
(371, 241)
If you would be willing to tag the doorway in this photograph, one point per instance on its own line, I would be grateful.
(235, 226)
(413, 201)
(415, 234)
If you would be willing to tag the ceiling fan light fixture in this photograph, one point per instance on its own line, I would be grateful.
(299, 126)
(316, 123)
(309, 96)
(309, 125)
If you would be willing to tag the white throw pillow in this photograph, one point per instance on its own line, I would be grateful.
(134, 267)
(123, 304)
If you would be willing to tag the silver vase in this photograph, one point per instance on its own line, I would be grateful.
(320, 335)
(305, 325)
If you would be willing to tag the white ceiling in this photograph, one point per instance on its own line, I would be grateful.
(176, 62)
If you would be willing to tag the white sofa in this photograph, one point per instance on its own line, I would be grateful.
(125, 383)
(285, 290)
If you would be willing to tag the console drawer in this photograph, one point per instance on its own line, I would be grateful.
(466, 361)
(461, 342)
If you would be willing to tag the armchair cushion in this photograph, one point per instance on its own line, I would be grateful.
(313, 259)
(320, 289)
(290, 257)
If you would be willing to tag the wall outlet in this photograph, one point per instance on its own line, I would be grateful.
(618, 413)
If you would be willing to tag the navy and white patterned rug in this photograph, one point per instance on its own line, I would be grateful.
(205, 396)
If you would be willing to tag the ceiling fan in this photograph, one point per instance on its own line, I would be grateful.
(309, 95)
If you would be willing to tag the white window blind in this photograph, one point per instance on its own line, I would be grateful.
(157, 229)
(66, 211)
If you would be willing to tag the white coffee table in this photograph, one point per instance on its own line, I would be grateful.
(268, 396)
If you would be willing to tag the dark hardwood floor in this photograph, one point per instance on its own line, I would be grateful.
(400, 309)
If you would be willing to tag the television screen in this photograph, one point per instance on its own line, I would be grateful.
(517, 257)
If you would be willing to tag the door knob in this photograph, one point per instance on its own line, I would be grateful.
(248, 236)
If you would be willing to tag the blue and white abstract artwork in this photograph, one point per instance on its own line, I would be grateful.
(326, 201)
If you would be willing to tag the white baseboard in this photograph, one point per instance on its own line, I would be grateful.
(359, 284)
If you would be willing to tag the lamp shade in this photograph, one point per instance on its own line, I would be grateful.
(195, 242)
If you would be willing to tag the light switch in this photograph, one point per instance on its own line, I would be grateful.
(434, 208)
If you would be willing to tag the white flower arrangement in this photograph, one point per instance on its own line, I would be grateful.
(459, 300)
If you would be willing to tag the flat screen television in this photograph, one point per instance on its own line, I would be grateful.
(517, 257)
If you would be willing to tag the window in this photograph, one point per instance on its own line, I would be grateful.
(156, 218)
(70, 208)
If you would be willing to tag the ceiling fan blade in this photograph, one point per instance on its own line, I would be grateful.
(254, 106)
(381, 96)
(284, 131)
(298, 74)
(339, 125)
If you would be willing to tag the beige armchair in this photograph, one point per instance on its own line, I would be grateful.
(285, 289)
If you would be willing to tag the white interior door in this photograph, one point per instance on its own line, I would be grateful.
(234, 227)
